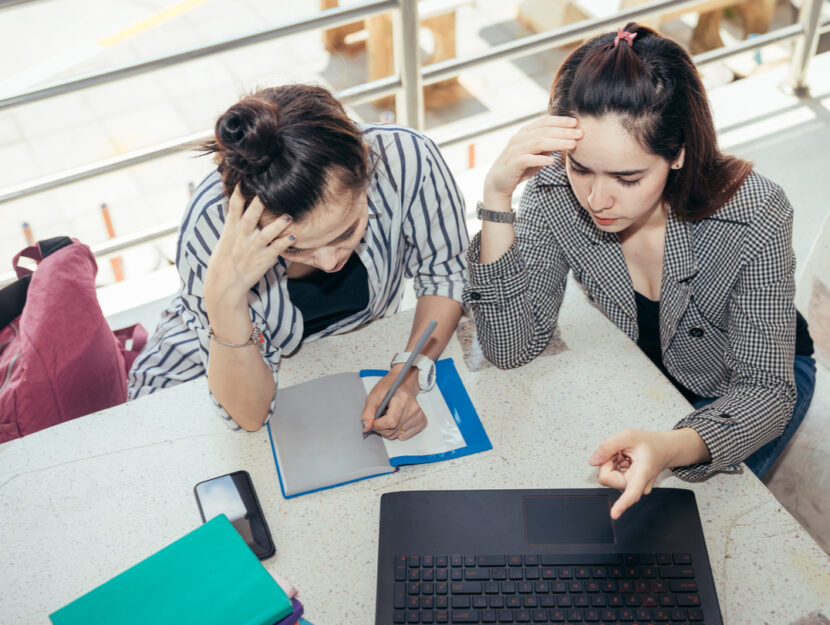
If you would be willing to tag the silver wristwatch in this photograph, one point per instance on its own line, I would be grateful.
(426, 368)
(502, 217)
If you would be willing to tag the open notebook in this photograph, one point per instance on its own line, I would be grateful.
(318, 443)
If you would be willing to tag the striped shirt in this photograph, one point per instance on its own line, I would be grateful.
(416, 229)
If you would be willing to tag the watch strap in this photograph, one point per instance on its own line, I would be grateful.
(502, 217)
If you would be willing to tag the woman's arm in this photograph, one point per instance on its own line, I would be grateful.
(435, 239)
(517, 277)
(238, 377)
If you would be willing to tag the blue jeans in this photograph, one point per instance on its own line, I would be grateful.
(805, 383)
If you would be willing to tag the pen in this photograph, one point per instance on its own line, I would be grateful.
(402, 374)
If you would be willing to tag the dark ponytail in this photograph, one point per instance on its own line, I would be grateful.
(652, 84)
(289, 146)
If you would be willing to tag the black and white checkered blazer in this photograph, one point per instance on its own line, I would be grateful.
(727, 319)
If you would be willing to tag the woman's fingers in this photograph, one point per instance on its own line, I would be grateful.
(236, 205)
(252, 214)
(278, 227)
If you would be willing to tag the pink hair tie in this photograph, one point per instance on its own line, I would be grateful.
(625, 36)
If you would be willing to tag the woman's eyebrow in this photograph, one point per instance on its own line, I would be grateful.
(632, 172)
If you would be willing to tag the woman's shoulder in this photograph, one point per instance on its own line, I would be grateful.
(758, 200)
(204, 216)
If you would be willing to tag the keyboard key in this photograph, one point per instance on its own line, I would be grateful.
(558, 587)
(413, 589)
(557, 615)
(414, 575)
(514, 560)
(625, 614)
(689, 601)
(491, 588)
(400, 569)
(488, 616)
(413, 602)
(650, 601)
(427, 575)
(646, 558)
(442, 616)
(413, 616)
(442, 601)
(469, 560)
(575, 615)
(441, 574)
(648, 571)
(666, 601)
(592, 586)
(428, 617)
(643, 614)
(522, 616)
(581, 601)
(399, 616)
(615, 572)
(590, 615)
(565, 572)
(414, 561)
(513, 601)
(529, 601)
(539, 616)
(581, 559)
(631, 558)
(541, 588)
(610, 586)
(479, 601)
(465, 588)
(399, 601)
(598, 601)
(441, 588)
(661, 614)
(549, 573)
(514, 573)
(457, 574)
(498, 573)
(441, 561)
(564, 601)
(679, 614)
(642, 585)
(614, 601)
(531, 560)
(427, 603)
(491, 560)
(676, 572)
(684, 586)
(496, 601)
(682, 558)
(598, 572)
(460, 601)
(477, 574)
(456, 560)
(547, 601)
(508, 588)
(695, 614)
(524, 587)
(663, 558)
(575, 587)
(532, 573)
(465, 616)
(428, 561)
(427, 588)
(582, 572)
(632, 600)
(505, 616)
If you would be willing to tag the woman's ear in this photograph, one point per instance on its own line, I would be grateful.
(678, 162)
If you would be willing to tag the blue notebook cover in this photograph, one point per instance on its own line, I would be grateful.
(461, 409)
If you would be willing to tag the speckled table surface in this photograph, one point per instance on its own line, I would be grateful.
(82, 501)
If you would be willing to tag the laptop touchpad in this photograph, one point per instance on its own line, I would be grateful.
(568, 520)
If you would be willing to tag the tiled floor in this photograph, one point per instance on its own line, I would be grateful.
(786, 137)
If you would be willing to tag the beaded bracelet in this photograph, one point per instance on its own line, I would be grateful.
(256, 337)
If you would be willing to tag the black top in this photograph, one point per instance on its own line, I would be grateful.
(326, 298)
(648, 320)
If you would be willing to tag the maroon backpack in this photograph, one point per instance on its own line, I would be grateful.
(58, 357)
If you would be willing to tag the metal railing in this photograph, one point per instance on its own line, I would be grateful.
(406, 84)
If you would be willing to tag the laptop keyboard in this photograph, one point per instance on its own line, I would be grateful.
(630, 589)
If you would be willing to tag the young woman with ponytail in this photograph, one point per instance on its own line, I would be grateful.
(687, 250)
(307, 228)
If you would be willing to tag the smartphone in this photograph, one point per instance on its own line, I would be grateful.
(234, 496)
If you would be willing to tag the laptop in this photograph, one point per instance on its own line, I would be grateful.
(542, 556)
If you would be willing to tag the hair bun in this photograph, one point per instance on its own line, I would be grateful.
(248, 135)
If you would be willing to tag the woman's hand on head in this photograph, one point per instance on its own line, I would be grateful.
(631, 460)
(244, 251)
(528, 151)
(404, 417)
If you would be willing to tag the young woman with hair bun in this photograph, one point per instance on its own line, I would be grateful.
(308, 227)
(687, 250)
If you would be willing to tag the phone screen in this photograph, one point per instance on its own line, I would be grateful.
(233, 495)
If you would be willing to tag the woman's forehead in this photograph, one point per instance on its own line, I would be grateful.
(607, 145)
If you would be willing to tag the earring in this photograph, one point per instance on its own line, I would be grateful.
(677, 166)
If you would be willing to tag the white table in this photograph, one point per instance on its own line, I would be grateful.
(83, 501)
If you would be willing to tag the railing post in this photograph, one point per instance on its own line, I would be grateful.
(805, 46)
(409, 104)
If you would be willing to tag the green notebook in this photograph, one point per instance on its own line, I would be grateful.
(209, 577)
